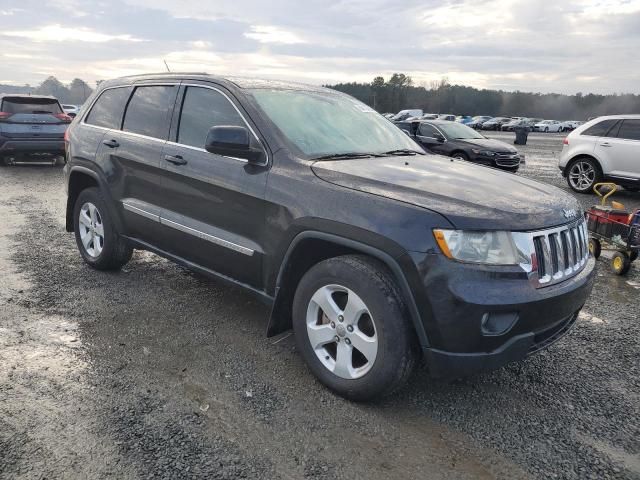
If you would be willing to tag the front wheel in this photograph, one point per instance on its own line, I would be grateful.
(352, 328)
(583, 174)
(100, 245)
(460, 156)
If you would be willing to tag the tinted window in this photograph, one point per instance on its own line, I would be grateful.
(202, 109)
(30, 105)
(108, 109)
(630, 129)
(600, 129)
(148, 111)
(427, 130)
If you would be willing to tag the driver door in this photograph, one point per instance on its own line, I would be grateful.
(431, 138)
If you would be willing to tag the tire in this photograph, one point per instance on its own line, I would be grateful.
(546, 129)
(620, 263)
(107, 252)
(582, 174)
(343, 284)
(633, 256)
(460, 156)
(595, 247)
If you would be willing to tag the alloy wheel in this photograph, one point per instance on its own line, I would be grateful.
(91, 229)
(582, 175)
(341, 331)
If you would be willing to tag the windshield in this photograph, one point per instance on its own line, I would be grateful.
(456, 131)
(322, 124)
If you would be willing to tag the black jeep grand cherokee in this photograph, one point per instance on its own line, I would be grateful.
(375, 253)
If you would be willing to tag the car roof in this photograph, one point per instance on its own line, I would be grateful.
(631, 116)
(236, 81)
(26, 95)
(436, 121)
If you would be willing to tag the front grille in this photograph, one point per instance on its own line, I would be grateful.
(545, 338)
(561, 252)
(507, 159)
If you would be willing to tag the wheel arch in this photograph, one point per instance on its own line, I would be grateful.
(311, 247)
(81, 178)
(579, 156)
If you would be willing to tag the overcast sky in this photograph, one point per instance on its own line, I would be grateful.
(531, 45)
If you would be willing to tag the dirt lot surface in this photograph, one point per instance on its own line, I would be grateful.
(154, 372)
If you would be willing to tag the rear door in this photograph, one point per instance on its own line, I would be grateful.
(625, 149)
(213, 205)
(131, 158)
(37, 118)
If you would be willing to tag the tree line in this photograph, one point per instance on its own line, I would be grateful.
(399, 92)
(75, 93)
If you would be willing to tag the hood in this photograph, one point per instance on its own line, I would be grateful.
(469, 196)
(487, 144)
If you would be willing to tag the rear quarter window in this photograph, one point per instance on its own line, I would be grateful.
(600, 129)
(108, 109)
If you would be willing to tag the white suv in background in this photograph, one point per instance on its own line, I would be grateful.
(606, 148)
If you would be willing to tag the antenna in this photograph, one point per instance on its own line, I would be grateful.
(165, 64)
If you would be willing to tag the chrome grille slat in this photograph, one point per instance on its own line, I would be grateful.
(561, 252)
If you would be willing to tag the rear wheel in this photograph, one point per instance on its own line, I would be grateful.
(595, 248)
(583, 174)
(620, 263)
(100, 245)
(352, 329)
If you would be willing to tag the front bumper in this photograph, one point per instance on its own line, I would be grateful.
(504, 161)
(461, 300)
(14, 146)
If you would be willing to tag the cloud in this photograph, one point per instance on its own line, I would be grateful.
(270, 34)
(58, 33)
(530, 45)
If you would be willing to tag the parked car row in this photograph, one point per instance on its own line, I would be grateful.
(486, 122)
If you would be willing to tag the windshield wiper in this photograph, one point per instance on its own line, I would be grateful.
(338, 156)
(403, 151)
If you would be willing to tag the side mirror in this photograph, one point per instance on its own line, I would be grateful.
(439, 138)
(232, 141)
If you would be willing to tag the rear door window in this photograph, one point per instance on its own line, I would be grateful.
(630, 130)
(203, 108)
(108, 109)
(30, 105)
(149, 109)
(600, 129)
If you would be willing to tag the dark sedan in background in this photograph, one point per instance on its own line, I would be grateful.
(459, 141)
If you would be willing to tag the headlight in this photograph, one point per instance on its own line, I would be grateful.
(487, 247)
(486, 153)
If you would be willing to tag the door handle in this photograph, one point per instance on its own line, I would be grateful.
(111, 143)
(606, 144)
(175, 159)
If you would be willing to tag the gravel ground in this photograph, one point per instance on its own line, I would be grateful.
(155, 372)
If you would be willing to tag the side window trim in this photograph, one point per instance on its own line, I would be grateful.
(174, 138)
